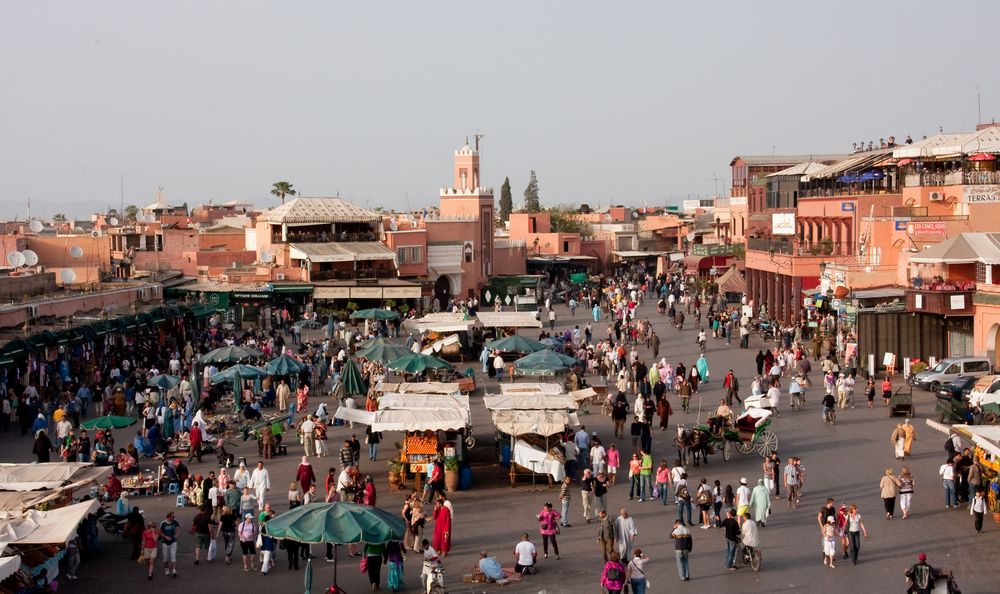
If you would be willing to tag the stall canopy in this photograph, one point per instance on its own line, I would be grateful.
(423, 401)
(531, 388)
(441, 322)
(986, 437)
(536, 422)
(509, 319)
(421, 387)
(515, 344)
(732, 282)
(55, 526)
(49, 475)
(965, 248)
(543, 363)
(9, 566)
(420, 420)
(535, 401)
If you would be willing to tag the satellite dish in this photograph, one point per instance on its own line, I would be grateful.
(30, 257)
(690, 236)
(15, 259)
(35, 226)
(68, 276)
(76, 251)
(266, 257)
(113, 221)
(393, 225)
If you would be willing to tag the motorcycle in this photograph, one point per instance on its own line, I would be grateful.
(113, 523)
(748, 556)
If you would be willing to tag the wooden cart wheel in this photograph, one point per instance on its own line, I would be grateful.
(727, 450)
(744, 447)
(766, 444)
(990, 418)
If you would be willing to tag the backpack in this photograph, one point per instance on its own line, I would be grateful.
(683, 493)
(614, 573)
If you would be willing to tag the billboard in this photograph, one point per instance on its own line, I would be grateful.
(783, 223)
(980, 194)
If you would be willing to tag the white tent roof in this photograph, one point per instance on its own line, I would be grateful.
(924, 147)
(420, 420)
(421, 387)
(49, 475)
(531, 388)
(538, 422)
(581, 395)
(509, 319)
(55, 526)
(424, 401)
(964, 248)
(984, 436)
(535, 401)
(982, 141)
(442, 322)
(9, 566)
(355, 415)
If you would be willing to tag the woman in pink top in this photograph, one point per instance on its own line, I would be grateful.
(548, 527)
(613, 459)
(663, 480)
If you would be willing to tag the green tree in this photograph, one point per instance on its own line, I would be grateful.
(59, 217)
(131, 211)
(282, 189)
(565, 219)
(506, 201)
(531, 202)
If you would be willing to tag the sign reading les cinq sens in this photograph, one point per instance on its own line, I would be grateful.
(981, 194)
(783, 223)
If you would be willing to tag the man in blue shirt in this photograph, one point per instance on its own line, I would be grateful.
(84, 395)
(490, 567)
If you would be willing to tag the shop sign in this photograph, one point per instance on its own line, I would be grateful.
(401, 292)
(331, 293)
(981, 194)
(930, 229)
(252, 295)
(366, 292)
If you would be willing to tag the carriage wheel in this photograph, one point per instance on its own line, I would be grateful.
(744, 447)
(766, 443)
(727, 450)
(990, 418)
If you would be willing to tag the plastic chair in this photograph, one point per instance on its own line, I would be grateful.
(173, 488)
(181, 501)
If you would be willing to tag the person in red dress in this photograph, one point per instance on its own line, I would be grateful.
(442, 528)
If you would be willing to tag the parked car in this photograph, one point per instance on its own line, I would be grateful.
(957, 388)
(948, 369)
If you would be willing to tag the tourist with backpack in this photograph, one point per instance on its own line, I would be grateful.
(613, 576)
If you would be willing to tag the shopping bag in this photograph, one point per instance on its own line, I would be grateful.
(213, 549)
(656, 492)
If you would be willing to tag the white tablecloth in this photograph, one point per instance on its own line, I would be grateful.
(538, 461)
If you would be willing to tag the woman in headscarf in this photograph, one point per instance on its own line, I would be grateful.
(305, 475)
(242, 476)
(39, 424)
(134, 526)
(702, 364)
(368, 498)
(760, 503)
(42, 446)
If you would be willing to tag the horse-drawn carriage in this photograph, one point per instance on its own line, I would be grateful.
(748, 433)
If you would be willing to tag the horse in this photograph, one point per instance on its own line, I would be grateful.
(692, 445)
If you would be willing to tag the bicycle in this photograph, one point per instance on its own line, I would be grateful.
(748, 556)
(830, 415)
(797, 400)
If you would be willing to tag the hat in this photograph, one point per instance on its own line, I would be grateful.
(594, 433)
(922, 557)
(829, 520)
(743, 481)
(248, 516)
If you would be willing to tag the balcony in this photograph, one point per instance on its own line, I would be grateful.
(951, 178)
(318, 275)
(942, 298)
(324, 237)
(801, 248)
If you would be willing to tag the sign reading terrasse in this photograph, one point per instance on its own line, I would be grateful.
(981, 194)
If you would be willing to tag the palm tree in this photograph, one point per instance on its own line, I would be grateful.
(282, 188)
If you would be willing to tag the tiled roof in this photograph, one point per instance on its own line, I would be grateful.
(343, 251)
(320, 210)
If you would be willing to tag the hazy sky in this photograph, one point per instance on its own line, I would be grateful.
(609, 101)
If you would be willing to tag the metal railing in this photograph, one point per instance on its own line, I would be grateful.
(351, 274)
(951, 178)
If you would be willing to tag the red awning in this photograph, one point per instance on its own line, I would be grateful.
(983, 157)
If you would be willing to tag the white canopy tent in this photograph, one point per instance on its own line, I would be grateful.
(55, 526)
(509, 319)
(532, 388)
(9, 566)
(533, 401)
(441, 323)
(420, 420)
(390, 401)
(48, 475)
(421, 387)
(985, 436)
(537, 422)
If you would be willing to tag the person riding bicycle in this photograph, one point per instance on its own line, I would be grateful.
(829, 402)
(701, 339)
(749, 537)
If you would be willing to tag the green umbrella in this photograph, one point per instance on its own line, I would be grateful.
(337, 523)
(351, 381)
(283, 365)
(418, 362)
(164, 381)
(374, 314)
(108, 422)
(308, 324)
(230, 354)
(544, 363)
(381, 349)
(236, 374)
(515, 344)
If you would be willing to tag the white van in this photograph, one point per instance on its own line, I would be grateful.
(949, 369)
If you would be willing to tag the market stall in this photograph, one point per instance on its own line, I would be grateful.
(38, 539)
(532, 388)
(448, 335)
(525, 424)
(421, 387)
(510, 320)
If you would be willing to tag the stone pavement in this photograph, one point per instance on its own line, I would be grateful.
(844, 462)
